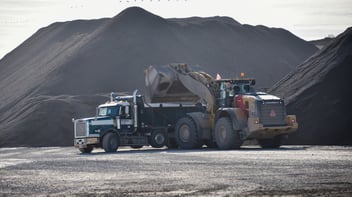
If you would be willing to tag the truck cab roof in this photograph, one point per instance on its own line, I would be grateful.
(115, 103)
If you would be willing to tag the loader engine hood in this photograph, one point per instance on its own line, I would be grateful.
(264, 96)
(268, 108)
(258, 97)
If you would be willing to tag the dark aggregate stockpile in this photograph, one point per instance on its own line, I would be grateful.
(64, 70)
(319, 93)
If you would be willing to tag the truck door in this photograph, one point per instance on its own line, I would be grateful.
(126, 119)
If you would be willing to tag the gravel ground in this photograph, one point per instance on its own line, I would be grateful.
(290, 170)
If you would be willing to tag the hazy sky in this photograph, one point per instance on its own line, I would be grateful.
(308, 19)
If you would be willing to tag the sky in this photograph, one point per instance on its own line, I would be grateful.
(307, 19)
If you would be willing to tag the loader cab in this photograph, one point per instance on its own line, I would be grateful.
(229, 88)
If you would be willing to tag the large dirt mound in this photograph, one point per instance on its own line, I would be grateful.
(90, 57)
(318, 92)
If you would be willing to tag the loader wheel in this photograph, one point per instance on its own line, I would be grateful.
(271, 143)
(110, 142)
(225, 136)
(186, 134)
(86, 150)
(158, 139)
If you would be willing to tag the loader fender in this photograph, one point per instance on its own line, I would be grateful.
(237, 116)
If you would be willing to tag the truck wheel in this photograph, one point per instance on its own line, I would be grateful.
(110, 142)
(86, 150)
(225, 136)
(186, 134)
(271, 143)
(158, 139)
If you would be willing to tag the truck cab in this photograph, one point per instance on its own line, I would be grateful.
(114, 119)
(118, 112)
(130, 121)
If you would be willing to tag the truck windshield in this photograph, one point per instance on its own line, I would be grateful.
(108, 111)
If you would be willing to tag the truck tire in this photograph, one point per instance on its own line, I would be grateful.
(186, 134)
(110, 142)
(225, 136)
(158, 139)
(86, 150)
(270, 143)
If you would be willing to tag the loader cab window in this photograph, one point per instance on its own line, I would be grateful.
(235, 89)
(243, 88)
(229, 89)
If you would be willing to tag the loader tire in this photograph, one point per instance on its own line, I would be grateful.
(110, 142)
(186, 134)
(274, 142)
(225, 136)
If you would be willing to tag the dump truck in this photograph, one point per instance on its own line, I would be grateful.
(186, 109)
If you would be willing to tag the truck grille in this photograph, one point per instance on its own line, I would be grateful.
(81, 129)
(272, 113)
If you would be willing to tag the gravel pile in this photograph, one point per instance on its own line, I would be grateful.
(66, 69)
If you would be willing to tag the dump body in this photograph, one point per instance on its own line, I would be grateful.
(166, 114)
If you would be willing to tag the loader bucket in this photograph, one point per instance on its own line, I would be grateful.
(177, 83)
(163, 85)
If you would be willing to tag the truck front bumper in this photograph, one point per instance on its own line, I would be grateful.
(259, 131)
(84, 142)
